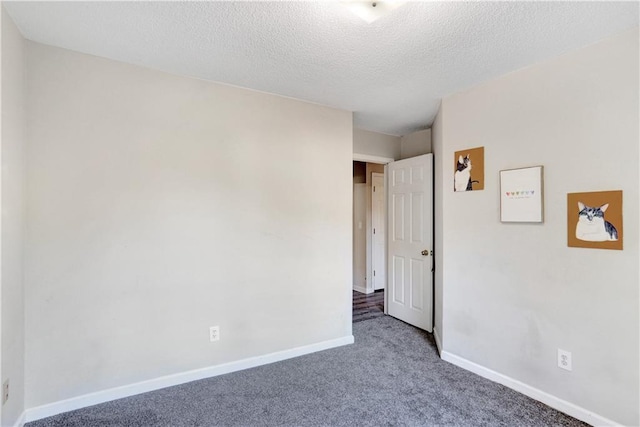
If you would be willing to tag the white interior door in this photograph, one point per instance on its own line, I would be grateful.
(410, 235)
(378, 264)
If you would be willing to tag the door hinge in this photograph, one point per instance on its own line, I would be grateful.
(374, 231)
(374, 273)
(374, 188)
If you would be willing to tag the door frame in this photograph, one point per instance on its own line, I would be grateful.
(384, 161)
(367, 158)
(380, 160)
(386, 235)
(370, 266)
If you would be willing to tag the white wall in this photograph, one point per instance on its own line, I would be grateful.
(375, 144)
(13, 142)
(159, 206)
(370, 169)
(360, 236)
(515, 293)
(415, 144)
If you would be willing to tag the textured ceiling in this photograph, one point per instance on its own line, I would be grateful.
(391, 73)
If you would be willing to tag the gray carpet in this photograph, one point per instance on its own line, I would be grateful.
(392, 376)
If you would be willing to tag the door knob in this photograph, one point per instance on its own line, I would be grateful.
(426, 253)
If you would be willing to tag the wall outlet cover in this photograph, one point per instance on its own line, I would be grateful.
(214, 333)
(564, 359)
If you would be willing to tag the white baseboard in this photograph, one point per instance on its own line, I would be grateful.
(537, 394)
(78, 402)
(21, 420)
(362, 290)
(436, 336)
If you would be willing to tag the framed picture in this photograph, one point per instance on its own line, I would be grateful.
(594, 220)
(521, 195)
(468, 172)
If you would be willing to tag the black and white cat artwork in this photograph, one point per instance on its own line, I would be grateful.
(592, 227)
(462, 177)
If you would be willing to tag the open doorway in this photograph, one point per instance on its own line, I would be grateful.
(369, 245)
(408, 288)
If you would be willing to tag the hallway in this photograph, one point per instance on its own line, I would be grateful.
(367, 306)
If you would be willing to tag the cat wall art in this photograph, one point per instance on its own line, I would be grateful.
(594, 220)
(592, 227)
(468, 174)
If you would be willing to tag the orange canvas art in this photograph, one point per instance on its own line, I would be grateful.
(594, 220)
(468, 172)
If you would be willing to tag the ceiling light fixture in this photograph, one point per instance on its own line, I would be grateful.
(372, 10)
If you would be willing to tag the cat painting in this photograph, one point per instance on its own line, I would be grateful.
(462, 177)
(592, 227)
(594, 220)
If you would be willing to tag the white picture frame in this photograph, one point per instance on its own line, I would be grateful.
(522, 195)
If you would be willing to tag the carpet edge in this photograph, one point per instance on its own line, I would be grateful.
(95, 398)
(555, 402)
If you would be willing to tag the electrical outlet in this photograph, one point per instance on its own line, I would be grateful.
(564, 359)
(214, 333)
(5, 392)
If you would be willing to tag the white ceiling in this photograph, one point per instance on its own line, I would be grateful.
(392, 73)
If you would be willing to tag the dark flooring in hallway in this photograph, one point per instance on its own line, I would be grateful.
(367, 306)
